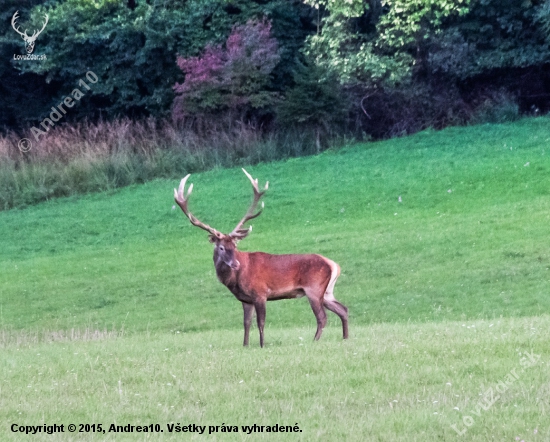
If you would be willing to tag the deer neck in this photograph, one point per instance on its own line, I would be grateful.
(227, 275)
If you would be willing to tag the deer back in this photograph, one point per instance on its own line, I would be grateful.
(273, 277)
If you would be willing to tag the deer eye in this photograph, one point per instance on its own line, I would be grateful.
(222, 248)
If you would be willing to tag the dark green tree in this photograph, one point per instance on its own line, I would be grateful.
(494, 35)
(316, 102)
(133, 51)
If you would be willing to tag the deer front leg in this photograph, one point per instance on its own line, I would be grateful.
(260, 317)
(248, 312)
(320, 314)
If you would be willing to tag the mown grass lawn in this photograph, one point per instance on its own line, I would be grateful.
(432, 231)
(388, 382)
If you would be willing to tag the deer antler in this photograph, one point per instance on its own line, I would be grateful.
(238, 232)
(13, 20)
(36, 34)
(182, 201)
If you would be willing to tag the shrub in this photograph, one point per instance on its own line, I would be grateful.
(316, 102)
(232, 79)
(497, 107)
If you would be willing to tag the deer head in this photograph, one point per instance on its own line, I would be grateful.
(29, 40)
(225, 244)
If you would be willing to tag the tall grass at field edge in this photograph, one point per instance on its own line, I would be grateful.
(88, 157)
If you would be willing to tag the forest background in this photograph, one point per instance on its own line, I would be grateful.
(187, 85)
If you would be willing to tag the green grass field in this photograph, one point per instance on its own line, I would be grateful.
(110, 310)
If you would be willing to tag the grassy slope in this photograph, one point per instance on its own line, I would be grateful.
(128, 261)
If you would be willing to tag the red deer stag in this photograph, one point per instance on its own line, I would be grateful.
(256, 277)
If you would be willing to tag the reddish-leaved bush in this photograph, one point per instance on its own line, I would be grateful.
(231, 78)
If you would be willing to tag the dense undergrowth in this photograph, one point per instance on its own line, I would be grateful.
(87, 157)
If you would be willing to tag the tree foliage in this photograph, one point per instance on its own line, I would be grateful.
(385, 56)
(134, 51)
(494, 35)
(234, 77)
(315, 101)
(450, 55)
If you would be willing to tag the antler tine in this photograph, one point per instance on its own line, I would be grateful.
(238, 232)
(182, 200)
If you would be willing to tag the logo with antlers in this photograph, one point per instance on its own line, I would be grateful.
(29, 40)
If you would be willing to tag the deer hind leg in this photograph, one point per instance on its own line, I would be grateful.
(330, 301)
(260, 318)
(320, 314)
(248, 313)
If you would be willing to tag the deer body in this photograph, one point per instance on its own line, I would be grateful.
(256, 277)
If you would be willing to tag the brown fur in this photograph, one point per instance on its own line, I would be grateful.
(256, 277)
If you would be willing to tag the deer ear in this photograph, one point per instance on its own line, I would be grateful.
(212, 239)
